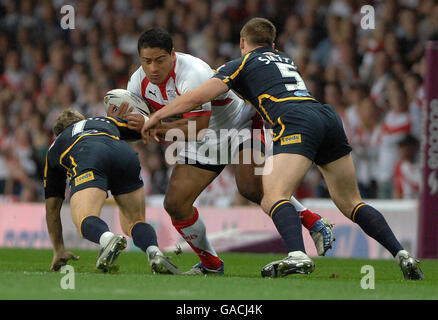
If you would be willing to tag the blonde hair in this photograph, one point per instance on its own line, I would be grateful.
(66, 118)
(259, 31)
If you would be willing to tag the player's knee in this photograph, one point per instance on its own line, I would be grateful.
(170, 206)
(80, 221)
(77, 220)
(126, 228)
(249, 186)
(266, 204)
(346, 206)
(177, 207)
(251, 192)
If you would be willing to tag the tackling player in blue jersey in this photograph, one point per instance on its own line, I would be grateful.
(305, 132)
(92, 154)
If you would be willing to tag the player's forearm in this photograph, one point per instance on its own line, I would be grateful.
(53, 220)
(187, 102)
(184, 125)
(180, 105)
(197, 97)
(54, 228)
(181, 125)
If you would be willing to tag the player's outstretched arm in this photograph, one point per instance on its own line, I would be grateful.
(54, 227)
(187, 102)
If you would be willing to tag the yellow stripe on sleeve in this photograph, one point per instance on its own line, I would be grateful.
(239, 69)
(120, 124)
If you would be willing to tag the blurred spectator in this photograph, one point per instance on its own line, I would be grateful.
(364, 142)
(13, 75)
(333, 96)
(154, 171)
(407, 175)
(93, 106)
(417, 102)
(407, 32)
(22, 167)
(65, 99)
(381, 74)
(354, 95)
(396, 125)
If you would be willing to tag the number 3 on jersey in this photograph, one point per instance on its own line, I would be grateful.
(288, 71)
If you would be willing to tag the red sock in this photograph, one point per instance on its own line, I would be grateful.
(308, 218)
(195, 234)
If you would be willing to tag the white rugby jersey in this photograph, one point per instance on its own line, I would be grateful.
(226, 112)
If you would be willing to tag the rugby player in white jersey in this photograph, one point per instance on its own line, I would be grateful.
(164, 75)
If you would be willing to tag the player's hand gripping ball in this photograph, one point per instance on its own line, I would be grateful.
(117, 96)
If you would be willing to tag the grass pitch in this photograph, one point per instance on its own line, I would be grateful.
(24, 274)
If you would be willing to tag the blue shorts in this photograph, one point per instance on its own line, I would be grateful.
(312, 130)
(106, 164)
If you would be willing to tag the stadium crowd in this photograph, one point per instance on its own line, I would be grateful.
(373, 77)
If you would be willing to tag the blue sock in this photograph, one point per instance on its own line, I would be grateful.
(144, 235)
(288, 223)
(374, 224)
(92, 228)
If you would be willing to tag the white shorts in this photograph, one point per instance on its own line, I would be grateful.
(222, 147)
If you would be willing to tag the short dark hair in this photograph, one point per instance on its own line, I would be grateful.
(409, 140)
(155, 38)
(259, 31)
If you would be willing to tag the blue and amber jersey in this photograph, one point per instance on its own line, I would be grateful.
(80, 140)
(268, 79)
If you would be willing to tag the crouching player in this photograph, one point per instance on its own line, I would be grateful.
(91, 153)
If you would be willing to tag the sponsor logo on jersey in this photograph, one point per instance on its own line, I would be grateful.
(293, 138)
(171, 93)
(85, 177)
(301, 93)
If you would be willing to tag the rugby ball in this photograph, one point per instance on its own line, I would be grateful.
(118, 96)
